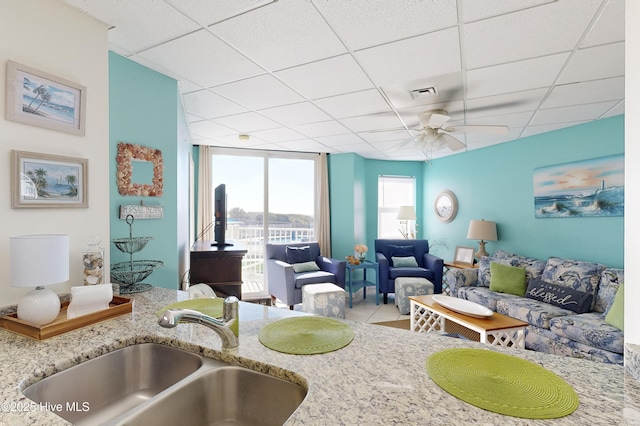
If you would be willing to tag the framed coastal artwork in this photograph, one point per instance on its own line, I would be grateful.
(41, 99)
(589, 188)
(45, 181)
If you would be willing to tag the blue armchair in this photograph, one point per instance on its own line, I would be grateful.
(425, 266)
(286, 284)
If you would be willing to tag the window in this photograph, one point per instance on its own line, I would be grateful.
(393, 192)
(282, 185)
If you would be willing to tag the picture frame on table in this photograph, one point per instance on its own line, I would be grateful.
(48, 181)
(40, 99)
(463, 255)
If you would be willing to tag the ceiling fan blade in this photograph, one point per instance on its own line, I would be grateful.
(494, 130)
(401, 145)
(453, 143)
(438, 120)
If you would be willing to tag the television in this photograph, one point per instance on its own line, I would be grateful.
(220, 216)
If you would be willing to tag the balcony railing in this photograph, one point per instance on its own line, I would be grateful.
(253, 239)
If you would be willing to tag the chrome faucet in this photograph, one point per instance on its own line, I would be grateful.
(227, 327)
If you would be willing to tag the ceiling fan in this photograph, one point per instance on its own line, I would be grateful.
(434, 134)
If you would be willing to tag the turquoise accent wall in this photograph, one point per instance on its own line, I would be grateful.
(353, 185)
(496, 183)
(143, 110)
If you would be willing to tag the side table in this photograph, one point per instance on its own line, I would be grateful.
(355, 285)
(455, 265)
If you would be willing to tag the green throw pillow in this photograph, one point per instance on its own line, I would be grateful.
(400, 262)
(309, 266)
(615, 317)
(507, 279)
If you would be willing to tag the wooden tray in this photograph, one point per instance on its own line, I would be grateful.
(118, 306)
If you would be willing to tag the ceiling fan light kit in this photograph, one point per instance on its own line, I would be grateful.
(434, 135)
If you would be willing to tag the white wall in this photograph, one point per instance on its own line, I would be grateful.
(52, 37)
(632, 173)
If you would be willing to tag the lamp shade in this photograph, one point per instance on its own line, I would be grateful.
(39, 260)
(406, 213)
(482, 230)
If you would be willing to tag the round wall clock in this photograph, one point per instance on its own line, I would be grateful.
(446, 206)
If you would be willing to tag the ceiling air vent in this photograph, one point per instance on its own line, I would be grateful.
(424, 92)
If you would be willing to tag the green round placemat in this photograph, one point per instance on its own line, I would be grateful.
(502, 383)
(211, 306)
(306, 335)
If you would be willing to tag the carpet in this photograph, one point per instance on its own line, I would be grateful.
(403, 324)
(502, 383)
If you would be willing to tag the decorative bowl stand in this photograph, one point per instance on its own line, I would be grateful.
(131, 274)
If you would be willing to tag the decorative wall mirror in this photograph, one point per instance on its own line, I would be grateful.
(130, 156)
(446, 206)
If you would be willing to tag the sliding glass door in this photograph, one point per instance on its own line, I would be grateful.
(257, 182)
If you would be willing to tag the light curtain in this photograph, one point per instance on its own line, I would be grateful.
(322, 213)
(205, 212)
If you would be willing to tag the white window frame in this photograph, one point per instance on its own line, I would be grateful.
(386, 210)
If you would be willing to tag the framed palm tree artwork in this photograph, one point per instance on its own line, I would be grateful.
(46, 181)
(41, 99)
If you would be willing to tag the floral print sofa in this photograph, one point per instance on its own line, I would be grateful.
(552, 329)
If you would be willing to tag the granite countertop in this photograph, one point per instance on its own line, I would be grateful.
(380, 378)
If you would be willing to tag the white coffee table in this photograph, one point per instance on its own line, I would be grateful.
(498, 330)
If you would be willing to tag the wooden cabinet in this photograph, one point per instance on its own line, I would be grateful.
(219, 267)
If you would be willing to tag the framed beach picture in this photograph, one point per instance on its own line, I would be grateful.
(40, 99)
(44, 180)
(587, 188)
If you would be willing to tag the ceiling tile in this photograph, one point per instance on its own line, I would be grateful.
(283, 34)
(304, 145)
(367, 123)
(595, 63)
(413, 59)
(232, 140)
(474, 10)
(354, 104)
(247, 122)
(208, 12)
(281, 134)
(571, 114)
(377, 137)
(449, 88)
(162, 22)
(209, 105)
(264, 91)
(207, 129)
(328, 77)
(517, 120)
(324, 128)
(556, 27)
(515, 76)
(617, 110)
(339, 140)
(365, 23)
(300, 113)
(609, 27)
(509, 103)
(196, 57)
(536, 130)
(610, 89)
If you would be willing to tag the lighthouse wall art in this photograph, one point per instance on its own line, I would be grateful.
(588, 188)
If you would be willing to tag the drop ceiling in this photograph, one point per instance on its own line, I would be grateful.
(336, 75)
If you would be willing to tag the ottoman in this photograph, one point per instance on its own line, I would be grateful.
(324, 299)
(410, 286)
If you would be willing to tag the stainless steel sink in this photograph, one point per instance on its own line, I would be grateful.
(156, 384)
(227, 395)
(111, 384)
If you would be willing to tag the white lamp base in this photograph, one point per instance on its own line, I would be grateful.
(481, 250)
(40, 306)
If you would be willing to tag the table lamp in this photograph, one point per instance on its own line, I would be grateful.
(38, 261)
(482, 230)
(405, 214)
